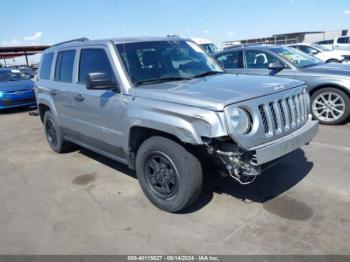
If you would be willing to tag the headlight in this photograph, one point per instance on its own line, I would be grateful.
(240, 120)
(1, 94)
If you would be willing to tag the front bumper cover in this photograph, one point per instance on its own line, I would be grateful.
(280, 147)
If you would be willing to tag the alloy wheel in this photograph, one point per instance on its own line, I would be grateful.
(328, 107)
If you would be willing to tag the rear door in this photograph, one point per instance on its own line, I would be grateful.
(62, 85)
(99, 114)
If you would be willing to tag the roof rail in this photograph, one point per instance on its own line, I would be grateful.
(82, 39)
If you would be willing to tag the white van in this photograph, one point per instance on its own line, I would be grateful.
(208, 46)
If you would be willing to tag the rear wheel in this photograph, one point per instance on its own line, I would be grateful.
(54, 134)
(330, 106)
(169, 175)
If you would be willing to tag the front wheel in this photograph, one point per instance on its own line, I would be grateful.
(169, 175)
(330, 106)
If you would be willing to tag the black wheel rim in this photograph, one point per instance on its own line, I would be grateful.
(51, 132)
(161, 175)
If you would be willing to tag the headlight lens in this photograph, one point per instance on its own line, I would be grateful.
(1, 94)
(240, 120)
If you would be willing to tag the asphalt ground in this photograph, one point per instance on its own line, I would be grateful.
(83, 203)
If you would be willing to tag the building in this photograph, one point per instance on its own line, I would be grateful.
(290, 38)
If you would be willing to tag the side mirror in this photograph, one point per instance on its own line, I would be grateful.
(276, 66)
(100, 81)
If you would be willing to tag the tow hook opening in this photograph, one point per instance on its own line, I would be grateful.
(234, 161)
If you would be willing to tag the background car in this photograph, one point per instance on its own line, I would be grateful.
(208, 46)
(338, 43)
(16, 89)
(329, 84)
(324, 53)
(27, 71)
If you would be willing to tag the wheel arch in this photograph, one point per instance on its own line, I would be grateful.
(330, 85)
(139, 134)
(43, 108)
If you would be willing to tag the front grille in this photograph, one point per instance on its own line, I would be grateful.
(285, 114)
(17, 102)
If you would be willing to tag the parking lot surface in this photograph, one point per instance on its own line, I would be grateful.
(83, 203)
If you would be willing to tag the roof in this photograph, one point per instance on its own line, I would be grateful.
(15, 51)
(260, 47)
(299, 33)
(201, 40)
(86, 42)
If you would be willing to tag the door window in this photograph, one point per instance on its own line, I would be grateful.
(343, 40)
(94, 61)
(308, 49)
(256, 59)
(230, 60)
(64, 66)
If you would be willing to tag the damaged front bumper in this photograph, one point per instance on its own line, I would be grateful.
(285, 145)
(244, 165)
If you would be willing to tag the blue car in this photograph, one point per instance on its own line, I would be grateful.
(16, 89)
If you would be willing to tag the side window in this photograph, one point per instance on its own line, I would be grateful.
(45, 67)
(230, 60)
(256, 59)
(343, 40)
(64, 66)
(94, 61)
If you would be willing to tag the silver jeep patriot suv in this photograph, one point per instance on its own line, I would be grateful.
(165, 108)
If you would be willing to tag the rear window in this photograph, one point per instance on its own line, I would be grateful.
(45, 67)
(64, 66)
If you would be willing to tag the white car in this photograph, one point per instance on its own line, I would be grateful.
(208, 46)
(323, 53)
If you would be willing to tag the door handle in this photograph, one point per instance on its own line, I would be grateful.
(79, 98)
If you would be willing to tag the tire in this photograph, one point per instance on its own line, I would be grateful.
(319, 104)
(54, 134)
(333, 61)
(182, 174)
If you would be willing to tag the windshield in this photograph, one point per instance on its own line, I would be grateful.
(297, 58)
(160, 61)
(323, 48)
(210, 48)
(11, 75)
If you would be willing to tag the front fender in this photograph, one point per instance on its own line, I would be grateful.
(187, 123)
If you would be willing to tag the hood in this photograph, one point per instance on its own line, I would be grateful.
(215, 92)
(338, 70)
(16, 85)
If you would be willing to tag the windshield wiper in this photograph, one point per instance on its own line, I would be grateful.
(161, 79)
(208, 73)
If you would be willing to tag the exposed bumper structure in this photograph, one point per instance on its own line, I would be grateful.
(280, 147)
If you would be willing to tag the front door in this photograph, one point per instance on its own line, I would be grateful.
(256, 62)
(99, 114)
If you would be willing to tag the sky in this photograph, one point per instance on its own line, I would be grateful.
(47, 22)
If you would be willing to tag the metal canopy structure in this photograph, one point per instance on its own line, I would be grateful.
(7, 52)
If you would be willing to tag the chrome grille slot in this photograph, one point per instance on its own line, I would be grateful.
(284, 115)
(274, 118)
(263, 117)
(301, 102)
